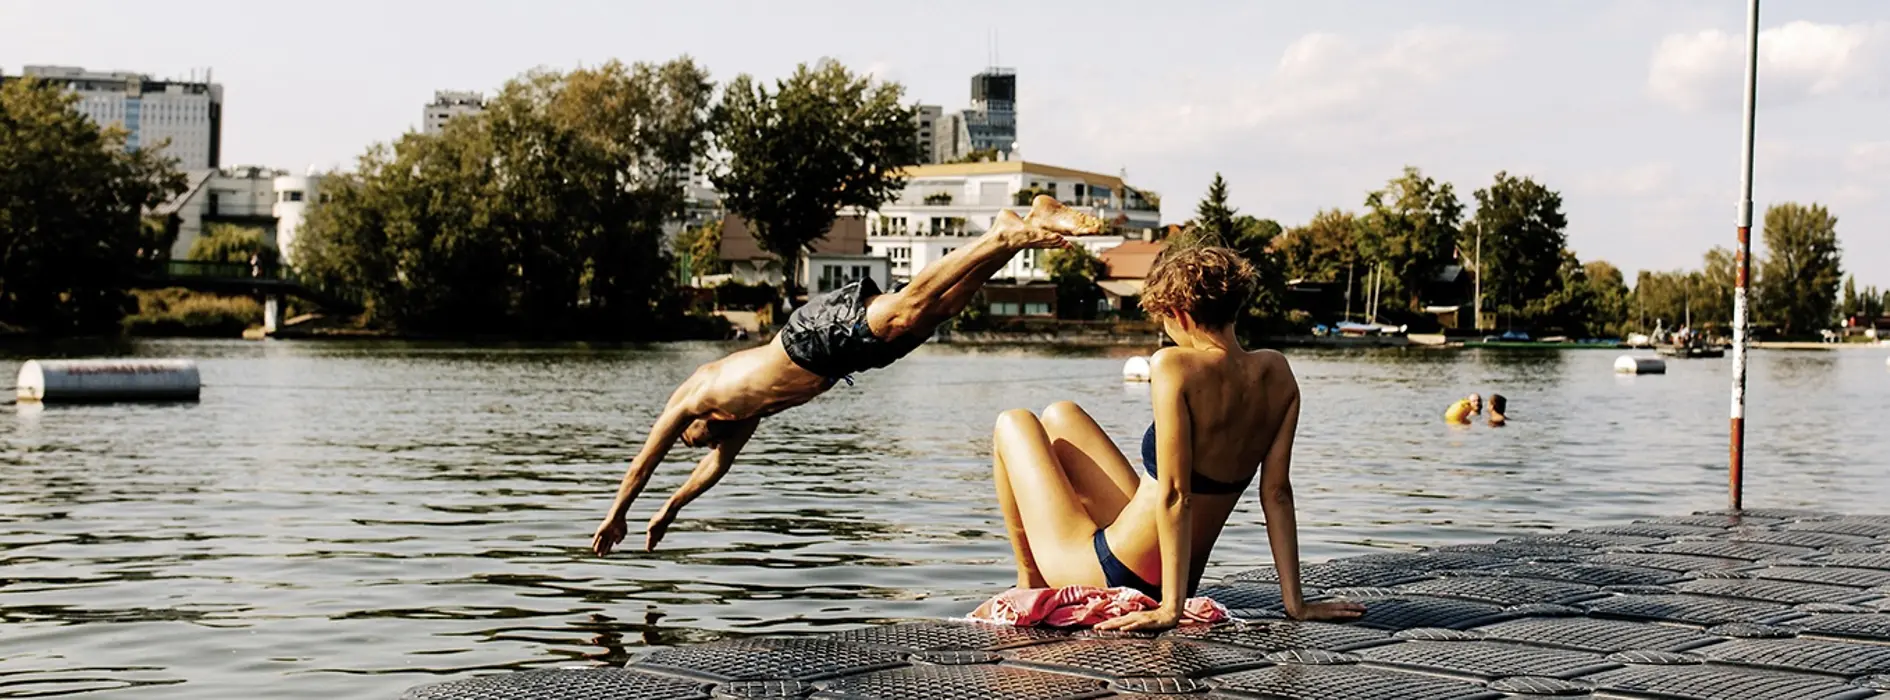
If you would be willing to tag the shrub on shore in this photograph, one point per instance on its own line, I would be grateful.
(180, 312)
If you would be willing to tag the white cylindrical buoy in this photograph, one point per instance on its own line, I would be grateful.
(1629, 364)
(1135, 370)
(73, 381)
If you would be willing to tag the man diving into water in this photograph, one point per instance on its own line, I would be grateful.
(851, 329)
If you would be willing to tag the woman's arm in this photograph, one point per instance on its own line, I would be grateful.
(1174, 451)
(1276, 502)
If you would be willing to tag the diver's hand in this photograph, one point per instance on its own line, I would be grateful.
(608, 534)
(659, 526)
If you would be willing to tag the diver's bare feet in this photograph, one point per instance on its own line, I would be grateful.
(1017, 234)
(1048, 213)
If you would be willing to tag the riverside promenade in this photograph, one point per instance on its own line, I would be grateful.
(1763, 604)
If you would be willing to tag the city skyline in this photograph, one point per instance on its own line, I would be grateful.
(1629, 108)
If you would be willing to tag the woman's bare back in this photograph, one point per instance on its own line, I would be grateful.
(1236, 403)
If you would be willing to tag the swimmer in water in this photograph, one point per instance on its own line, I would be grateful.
(1497, 405)
(1461, 411)
(834, 335)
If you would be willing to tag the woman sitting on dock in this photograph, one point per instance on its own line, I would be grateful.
(1079, 514)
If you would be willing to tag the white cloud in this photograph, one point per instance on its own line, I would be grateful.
(1869, 158)
(1798, 61)
(1320, 81)
(883, 71)
(1638, 180)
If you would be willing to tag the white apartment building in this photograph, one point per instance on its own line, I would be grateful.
(185, 117)
(447, 104)
(944, 207)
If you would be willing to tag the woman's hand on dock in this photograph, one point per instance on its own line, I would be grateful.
(1145, 621)
(1314, 612)
(608, 535)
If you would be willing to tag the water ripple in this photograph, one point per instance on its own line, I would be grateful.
(349, 519)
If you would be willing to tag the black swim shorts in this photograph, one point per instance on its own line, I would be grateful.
(829, 337)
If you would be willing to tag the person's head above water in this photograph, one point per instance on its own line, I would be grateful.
(1198, 287)
(1476, 403)
(1498, 405)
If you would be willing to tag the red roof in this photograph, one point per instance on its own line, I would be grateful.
(847, 236)
(1131, 260)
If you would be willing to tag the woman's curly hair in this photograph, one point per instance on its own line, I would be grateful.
(1211, 284)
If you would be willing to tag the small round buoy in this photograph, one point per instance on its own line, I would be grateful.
(1135, 370)
(73, 381)
(1629, 364)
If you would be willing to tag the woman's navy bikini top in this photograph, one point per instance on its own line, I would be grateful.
(1200, 484)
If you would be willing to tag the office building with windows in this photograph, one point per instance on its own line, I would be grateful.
(183, 118)
(447, 104)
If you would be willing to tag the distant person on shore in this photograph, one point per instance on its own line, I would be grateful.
(1079, 514)
(1461, 411)
(1498, 405)
(835, 335)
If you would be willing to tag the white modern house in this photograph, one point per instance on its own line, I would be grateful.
(944, 207)
(249, 195)
(293, 194)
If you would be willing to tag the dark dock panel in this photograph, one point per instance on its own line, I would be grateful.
(1791, 605)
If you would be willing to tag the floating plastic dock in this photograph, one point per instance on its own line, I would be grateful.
(1764, 604)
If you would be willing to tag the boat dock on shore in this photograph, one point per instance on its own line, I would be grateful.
(1718, 605)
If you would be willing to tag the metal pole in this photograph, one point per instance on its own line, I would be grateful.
(1743, 265)
(1479, 311)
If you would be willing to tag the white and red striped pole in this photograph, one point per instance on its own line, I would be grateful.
(1743, 266)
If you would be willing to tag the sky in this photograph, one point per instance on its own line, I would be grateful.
(1629, 108)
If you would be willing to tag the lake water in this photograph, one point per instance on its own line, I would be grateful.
(346, 520)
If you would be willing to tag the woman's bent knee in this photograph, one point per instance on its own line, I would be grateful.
(1064, 413)
(1017, 419)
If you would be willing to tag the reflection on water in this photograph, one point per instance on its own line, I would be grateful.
(347, 520)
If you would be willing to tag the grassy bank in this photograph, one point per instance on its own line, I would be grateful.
(182, 313)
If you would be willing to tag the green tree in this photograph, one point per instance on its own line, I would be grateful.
(541, 216)
(1519, 230)
(1214, 217)
(819, 141)
(1801, 268)
(1410, 227)
(1023, 197)
(1569, 306)
(982, 155)
(233, 243)
(1321, 250)
(72, 199)
(1075, 270)
(1849, 305)
(1871, 305)
(1608, 299)
(1712, 301)
(1255, 240)
(702, 247)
